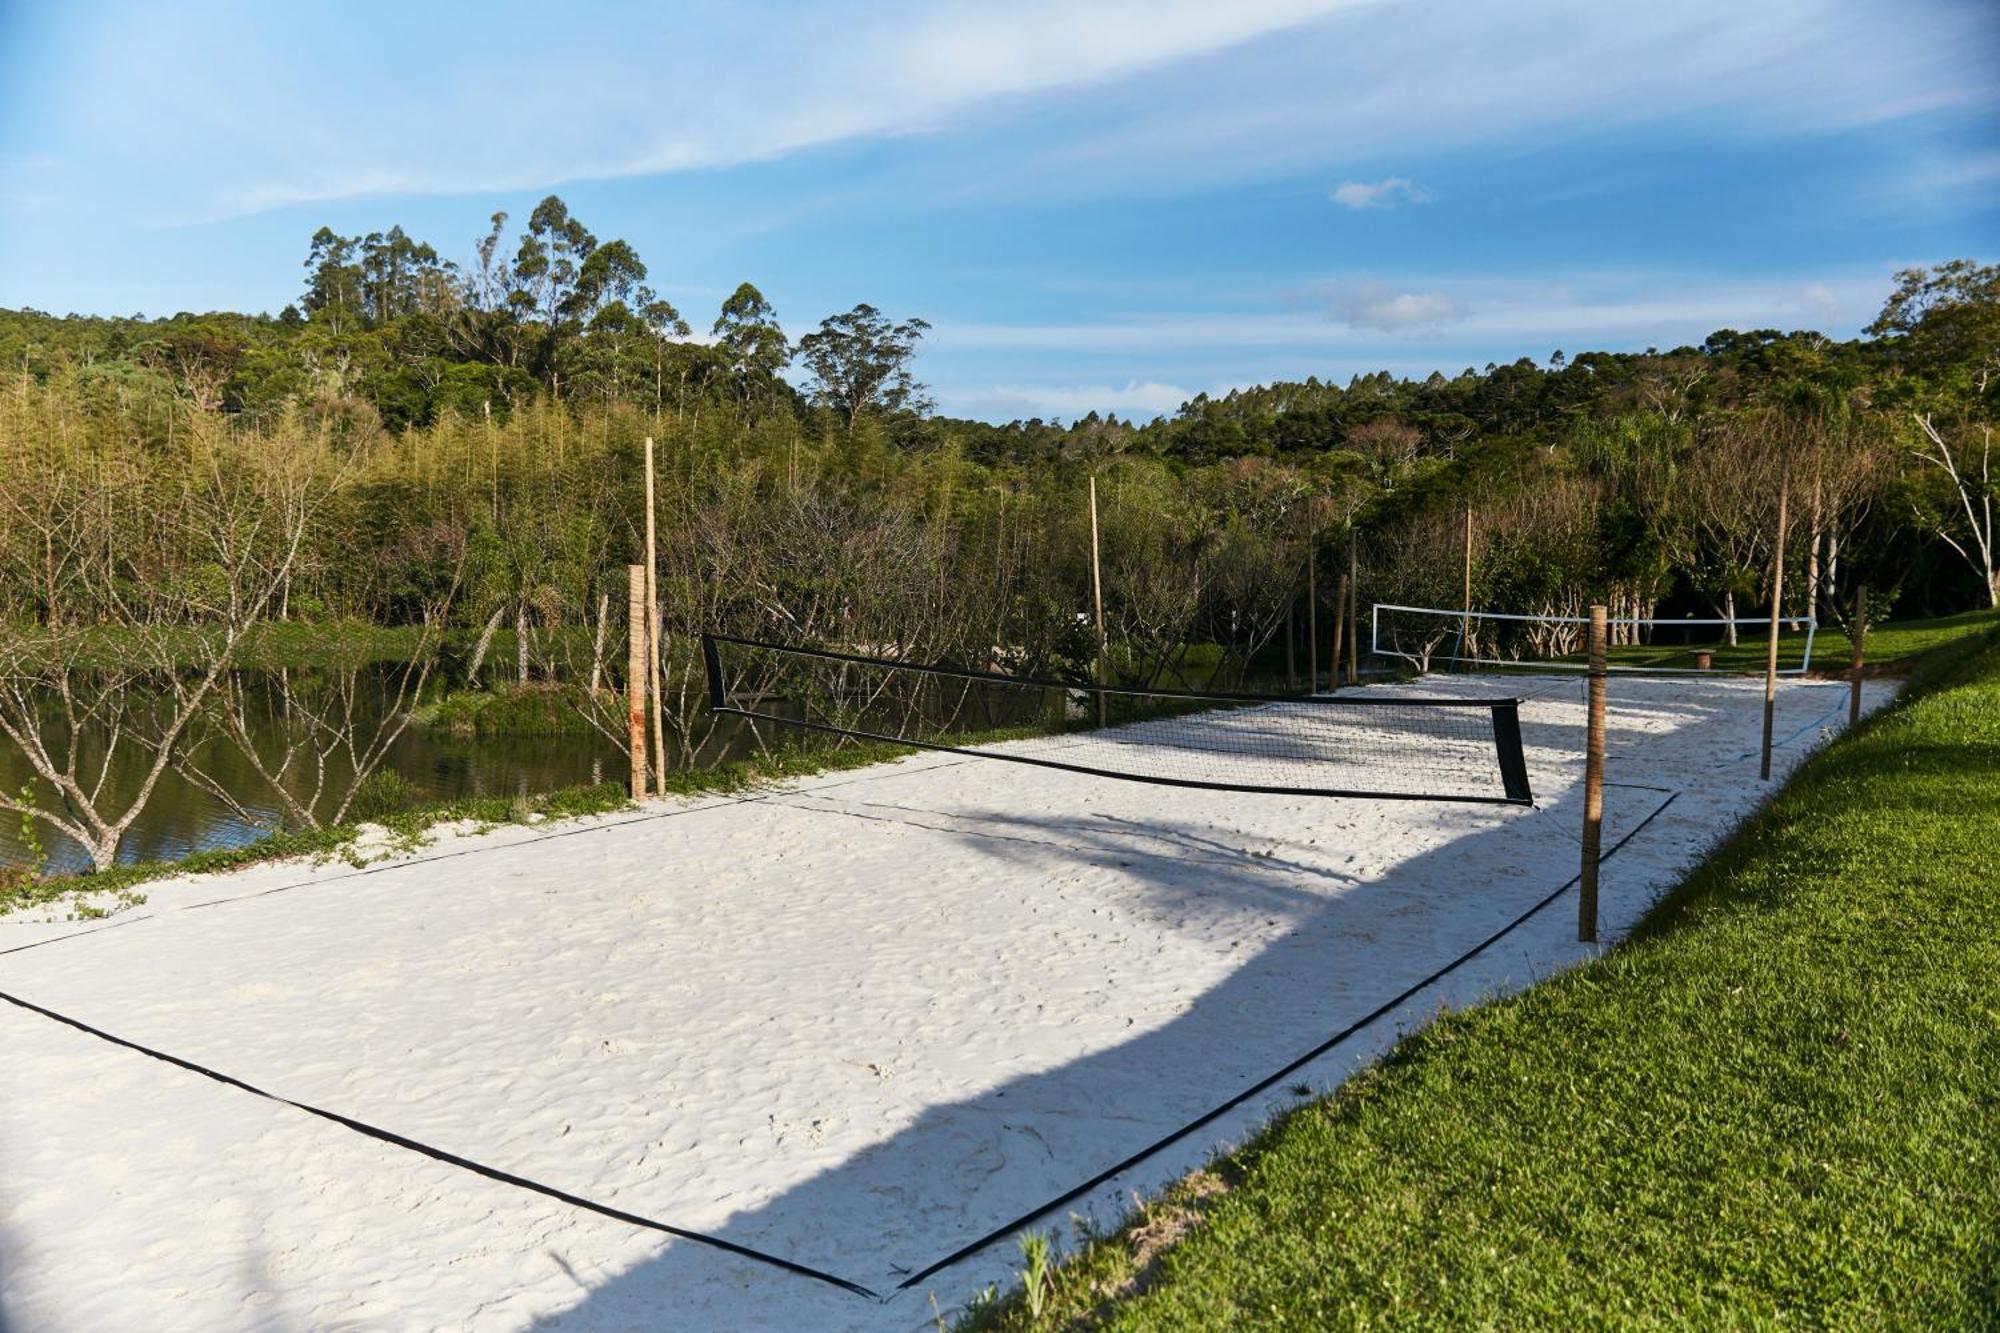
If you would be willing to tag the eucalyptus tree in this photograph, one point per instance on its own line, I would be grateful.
(749, 337)
(861, 362)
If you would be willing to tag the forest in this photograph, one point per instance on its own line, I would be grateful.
(439, 465)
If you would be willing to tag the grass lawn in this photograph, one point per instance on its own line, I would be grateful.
(1892, 644)
(1779, 1103)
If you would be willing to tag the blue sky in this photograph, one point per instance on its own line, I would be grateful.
(1097, 205)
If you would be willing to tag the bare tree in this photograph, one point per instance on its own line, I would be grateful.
(142, 576)
(1972, 484)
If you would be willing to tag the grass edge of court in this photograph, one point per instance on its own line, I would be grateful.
(1178, 1259)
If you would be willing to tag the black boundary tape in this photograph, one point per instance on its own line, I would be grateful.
(791, 1266)
(1269, 1080)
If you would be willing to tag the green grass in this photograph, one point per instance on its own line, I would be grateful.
(1777, 1104)
(1889, 646)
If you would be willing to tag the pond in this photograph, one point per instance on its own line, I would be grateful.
(438, 765)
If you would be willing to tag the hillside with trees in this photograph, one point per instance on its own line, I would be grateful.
(453, 451)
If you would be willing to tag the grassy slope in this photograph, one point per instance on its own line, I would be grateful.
(1888, 644)
(1780, 1102)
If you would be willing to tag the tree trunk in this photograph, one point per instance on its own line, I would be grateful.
(479, 650)
(1729, 613)
(521, 644)
(597, 645)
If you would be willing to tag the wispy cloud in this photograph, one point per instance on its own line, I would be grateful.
(213, 109)
(1385, 193)
(1505, 316)
(1372, 305)
(1143, 399)
(1454, 75)
(677, 92)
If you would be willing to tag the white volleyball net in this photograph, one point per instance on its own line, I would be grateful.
(1441, 639)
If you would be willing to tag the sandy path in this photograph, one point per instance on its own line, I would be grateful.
(855, 1025)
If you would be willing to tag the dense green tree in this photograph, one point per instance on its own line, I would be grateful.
(860, 361)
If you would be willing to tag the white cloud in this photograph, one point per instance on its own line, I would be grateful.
(1491, 316)
(679, 90)
(1385, 193)
(1371, 305)
(1142, 399)
(1456, 75)
(213, 109)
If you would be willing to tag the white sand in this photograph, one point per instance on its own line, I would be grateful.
(856, 1024)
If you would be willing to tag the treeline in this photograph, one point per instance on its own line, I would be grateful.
(158, 515)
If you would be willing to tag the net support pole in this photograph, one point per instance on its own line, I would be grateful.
(1097, 596)
(1312, 614)
(1340, 627)
(1854, 662)
(653, 670)
(1771, 647)
(635, 675)
(1593, 785)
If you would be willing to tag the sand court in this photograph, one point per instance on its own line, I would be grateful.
(861, 1024)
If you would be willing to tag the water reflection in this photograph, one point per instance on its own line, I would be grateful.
(182, 817)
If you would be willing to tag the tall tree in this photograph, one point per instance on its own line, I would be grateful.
(333, 284)
(748, 334)
(861, 362)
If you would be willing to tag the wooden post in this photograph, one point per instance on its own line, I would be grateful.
(1312, 614)
(1353, 614)
(1097, 596)
(1292, 643)
(654, 685)
(635, 675)
(1340, 626)
(1465, 623)
(1771, 650)
(1854, 662)
(1593, 785)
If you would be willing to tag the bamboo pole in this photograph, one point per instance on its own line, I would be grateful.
(1465, 623)
(1292, 643)
(1353, 613)
(635, 675)
(1097, 596)
(1312, 615)
(1854, 663)
(1340, 627)
(1771, 649)
(1593, 785)
(654, 684)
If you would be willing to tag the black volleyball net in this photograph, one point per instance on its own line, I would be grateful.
(1358, 745)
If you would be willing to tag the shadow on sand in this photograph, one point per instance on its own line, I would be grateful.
(967, 1175)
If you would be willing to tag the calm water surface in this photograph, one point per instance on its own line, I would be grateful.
(181, 817)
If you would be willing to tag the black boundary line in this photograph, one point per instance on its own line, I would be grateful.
(717, 1242)
(787, 1265)
(449, 1158)
(1263, 1084)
